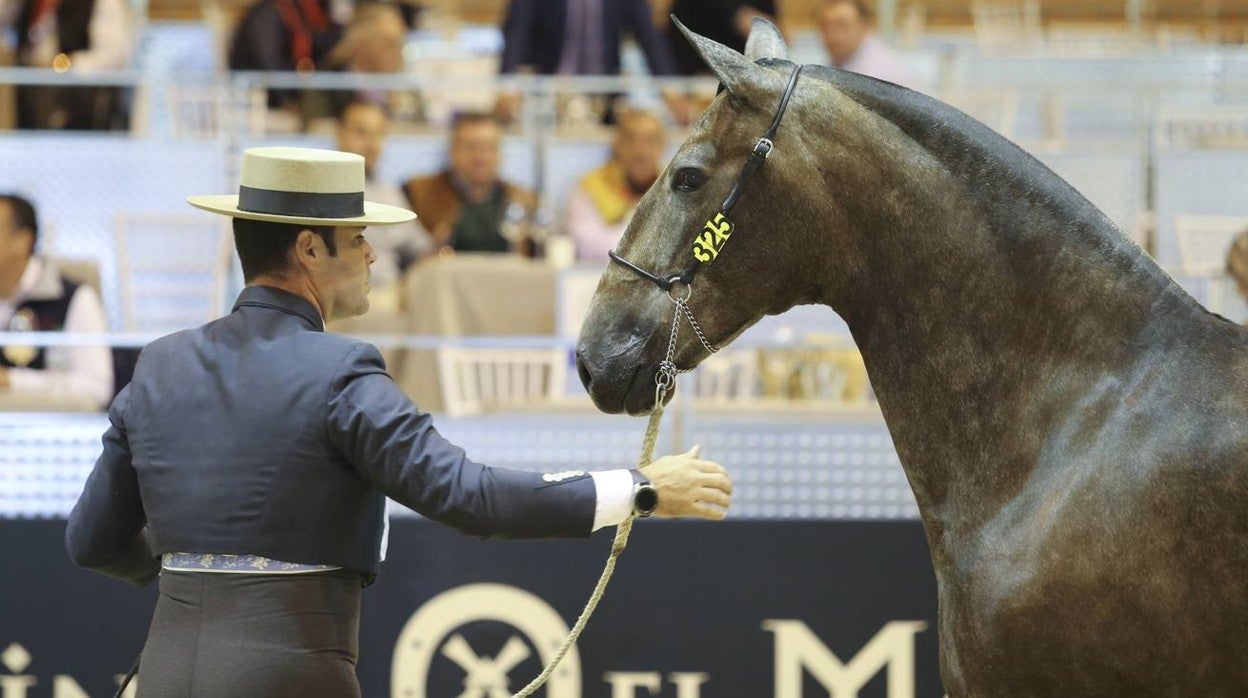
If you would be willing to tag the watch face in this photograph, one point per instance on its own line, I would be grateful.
(646, 500)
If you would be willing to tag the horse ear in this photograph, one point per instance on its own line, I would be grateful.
(765, 41)
(732, 69)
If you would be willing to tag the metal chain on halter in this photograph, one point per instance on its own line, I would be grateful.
(664, 380)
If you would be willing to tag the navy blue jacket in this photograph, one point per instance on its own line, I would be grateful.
(533, 35)
(261, 434)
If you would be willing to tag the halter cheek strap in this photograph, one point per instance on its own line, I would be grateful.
(718, 229)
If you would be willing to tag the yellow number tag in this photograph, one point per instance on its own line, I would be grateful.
(710, 242)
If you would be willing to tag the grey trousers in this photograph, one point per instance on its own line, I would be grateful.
(244, 635)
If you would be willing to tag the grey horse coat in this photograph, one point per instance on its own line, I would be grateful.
(1073, 424)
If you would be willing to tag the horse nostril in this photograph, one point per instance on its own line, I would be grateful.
(582, 370)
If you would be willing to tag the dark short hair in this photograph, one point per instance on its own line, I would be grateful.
(340, 113)
(467, 118)
(23, 213)
(264, 247)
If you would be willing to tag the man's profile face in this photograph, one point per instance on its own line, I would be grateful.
(16, 245)
(362, 131)
(344, 278)
(843, 30)
(475, 152)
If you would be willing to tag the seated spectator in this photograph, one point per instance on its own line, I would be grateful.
(602, 203)
(467, 206)
(372, 43)
(34, 297)
(845, 27)
(1237, 263)
(71, 35)
(284, 35)
(362, 130)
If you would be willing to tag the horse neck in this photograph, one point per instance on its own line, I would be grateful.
(984, 309)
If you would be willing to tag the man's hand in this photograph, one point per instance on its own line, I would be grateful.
(688, 486)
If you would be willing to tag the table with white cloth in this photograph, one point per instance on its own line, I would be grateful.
(457, 295)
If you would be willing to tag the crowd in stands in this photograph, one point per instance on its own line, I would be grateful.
(465, 207)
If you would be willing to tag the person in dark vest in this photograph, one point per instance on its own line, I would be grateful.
(35, 297)
(251, 458)
(81, 36)
(467, 206)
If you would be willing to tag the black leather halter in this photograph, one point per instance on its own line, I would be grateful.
(757, 157)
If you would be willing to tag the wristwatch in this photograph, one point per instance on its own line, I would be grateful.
(645, 497)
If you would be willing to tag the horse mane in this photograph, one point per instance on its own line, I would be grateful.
(994, 169)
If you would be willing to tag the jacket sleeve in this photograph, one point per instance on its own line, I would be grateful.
(105, 531)
(396, 448)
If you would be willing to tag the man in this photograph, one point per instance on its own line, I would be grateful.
(251, 458)
(845, 26)
(362, 130)
(34, 297)
(466, 206)
(602, 203)
(581, 37)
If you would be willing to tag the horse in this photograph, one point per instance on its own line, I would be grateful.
(1074, 426)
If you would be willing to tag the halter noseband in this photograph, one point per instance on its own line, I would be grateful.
(720, 227)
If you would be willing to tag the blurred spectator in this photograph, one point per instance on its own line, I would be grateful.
(1237, 263)
(78, 35)
(845, 26)
(602, 203)
(373, 43)
(34, 297)
(725, 21)
(362, 130)
(284, 35)
(581, 37)
(467, 207)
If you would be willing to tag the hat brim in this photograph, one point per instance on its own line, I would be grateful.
(374, 213)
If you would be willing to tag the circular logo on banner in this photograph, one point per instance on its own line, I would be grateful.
(444, 629)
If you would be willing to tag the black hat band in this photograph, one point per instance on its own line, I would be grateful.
(301, 204)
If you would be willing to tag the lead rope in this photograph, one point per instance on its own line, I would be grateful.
(664, 380)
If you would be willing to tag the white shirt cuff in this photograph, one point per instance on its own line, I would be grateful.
(615, 497)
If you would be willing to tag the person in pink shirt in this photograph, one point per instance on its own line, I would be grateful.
(845, 27)
(601, 205)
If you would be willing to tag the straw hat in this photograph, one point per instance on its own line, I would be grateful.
(302, 186)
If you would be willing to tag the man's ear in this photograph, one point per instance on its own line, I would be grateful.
(309, 248)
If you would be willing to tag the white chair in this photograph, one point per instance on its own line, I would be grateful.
(1204, 242)
(475, 380)
(1213, 126)
(173, 269)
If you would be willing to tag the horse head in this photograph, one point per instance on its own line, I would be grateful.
(758, 262)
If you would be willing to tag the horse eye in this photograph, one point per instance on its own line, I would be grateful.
(688, 179)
